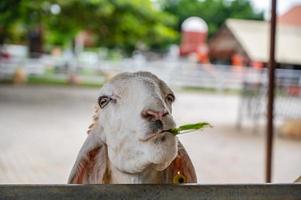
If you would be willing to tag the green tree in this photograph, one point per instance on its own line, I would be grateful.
(9, 15)
(114, 23)
(214, 12)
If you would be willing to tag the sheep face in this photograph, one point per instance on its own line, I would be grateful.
(135, 111)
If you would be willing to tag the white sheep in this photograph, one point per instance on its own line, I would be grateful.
(125, 143)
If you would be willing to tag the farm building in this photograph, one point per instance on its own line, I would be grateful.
(246, 42)
(194, 38)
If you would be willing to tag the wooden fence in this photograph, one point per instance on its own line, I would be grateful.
(166, 192)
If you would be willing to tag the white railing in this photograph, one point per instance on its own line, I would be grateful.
(178, 73)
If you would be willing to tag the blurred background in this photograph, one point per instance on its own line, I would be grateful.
(56, 54)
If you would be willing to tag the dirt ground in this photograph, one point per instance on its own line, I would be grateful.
(43, 128)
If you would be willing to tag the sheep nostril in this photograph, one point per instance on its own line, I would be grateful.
(146, 115)
(152, 115)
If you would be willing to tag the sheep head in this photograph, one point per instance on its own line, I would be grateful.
(128, 133)
(135, 109)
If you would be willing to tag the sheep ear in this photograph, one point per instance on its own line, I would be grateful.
(181, 165)
(91, 163)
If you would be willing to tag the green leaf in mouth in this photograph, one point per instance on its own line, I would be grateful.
(189, 128)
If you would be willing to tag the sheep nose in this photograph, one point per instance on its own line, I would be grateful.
(152, 115)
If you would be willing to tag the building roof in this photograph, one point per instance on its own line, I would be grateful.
(253, 36)
(291, 17)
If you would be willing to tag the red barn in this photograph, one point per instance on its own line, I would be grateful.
(194, 36)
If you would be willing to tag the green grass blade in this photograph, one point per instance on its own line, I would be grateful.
(189, 127)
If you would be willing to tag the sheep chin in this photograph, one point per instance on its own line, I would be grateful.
(163, 153)
(150, 154)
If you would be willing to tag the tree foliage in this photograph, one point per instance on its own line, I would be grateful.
(123, 24)
(214, 12)
(118, 23)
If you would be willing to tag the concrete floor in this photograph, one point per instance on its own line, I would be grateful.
(42, 129)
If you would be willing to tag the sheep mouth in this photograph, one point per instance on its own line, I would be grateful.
(156, 135)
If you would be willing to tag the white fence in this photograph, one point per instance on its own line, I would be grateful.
(190, 74)
(178, 73)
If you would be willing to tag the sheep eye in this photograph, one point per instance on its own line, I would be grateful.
(170, 98)
(103, 101)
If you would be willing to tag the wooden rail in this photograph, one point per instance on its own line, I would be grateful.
(93, 192)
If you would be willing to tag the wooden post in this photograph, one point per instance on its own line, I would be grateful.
(271, 94)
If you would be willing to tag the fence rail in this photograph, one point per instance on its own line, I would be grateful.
(93, 192)
(182, 73)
